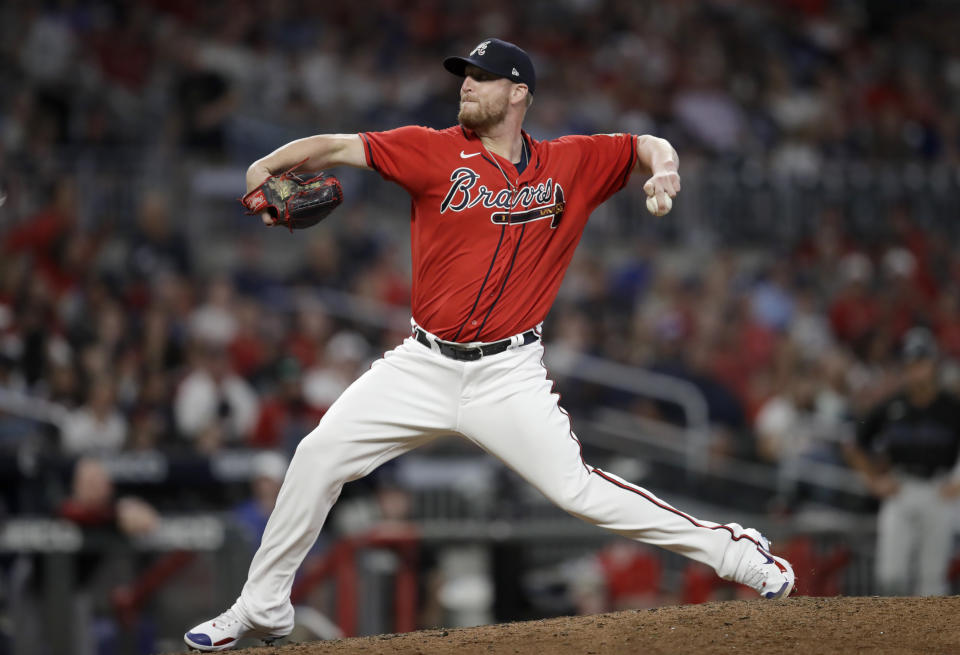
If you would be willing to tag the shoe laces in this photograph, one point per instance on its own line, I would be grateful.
(225, 620)
(756, 569)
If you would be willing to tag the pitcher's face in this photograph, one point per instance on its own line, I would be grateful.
(484, 98)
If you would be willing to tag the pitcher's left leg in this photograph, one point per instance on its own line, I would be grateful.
(511, 412)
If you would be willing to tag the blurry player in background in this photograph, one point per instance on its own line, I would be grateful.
(908, 453)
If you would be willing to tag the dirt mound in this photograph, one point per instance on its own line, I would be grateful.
(795, 626)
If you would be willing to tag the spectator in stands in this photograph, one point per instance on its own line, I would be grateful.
(267, 471)
(98, 426)
(947, 321)
(908, 454)
(772, 300)
(321, 267)
(160, 343)
(250, 348)
(124, 50)
(284, 414)
(809, 330)
(147, 431)
(213, 406)
(205, 100)
(28, 335)
(922, 243)
(63, 383)
(156, 247)
(51, 241)
(801, 426)
(312, 328)
(342, 358)
(111, 330)
(215, 321)
(383, 280)
(903, 302)
(14, 430)
(152, 424)
(104, 519)
(93, 503)
(854, 311)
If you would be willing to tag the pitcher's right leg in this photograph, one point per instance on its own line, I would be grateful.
(402, 402)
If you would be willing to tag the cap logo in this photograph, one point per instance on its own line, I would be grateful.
(480, 49)
(515, 72)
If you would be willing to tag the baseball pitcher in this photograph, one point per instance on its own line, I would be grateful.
(495, 219)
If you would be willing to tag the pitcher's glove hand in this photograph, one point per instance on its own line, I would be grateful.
(295, 201)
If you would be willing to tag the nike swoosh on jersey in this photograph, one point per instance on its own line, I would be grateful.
(464, 155)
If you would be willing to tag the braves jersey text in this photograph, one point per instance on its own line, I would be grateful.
(489, 252)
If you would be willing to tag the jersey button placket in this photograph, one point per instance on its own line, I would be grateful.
(497, 290)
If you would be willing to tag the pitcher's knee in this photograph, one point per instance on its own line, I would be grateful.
(320, 448)
(331, 455)
(572, 501)
(312, 444)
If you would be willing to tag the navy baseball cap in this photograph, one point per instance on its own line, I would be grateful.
(498, 57)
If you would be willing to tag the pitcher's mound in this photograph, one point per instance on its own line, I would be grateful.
(793, 626)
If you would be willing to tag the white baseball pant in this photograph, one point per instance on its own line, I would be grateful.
(915, 539)
(503, 403)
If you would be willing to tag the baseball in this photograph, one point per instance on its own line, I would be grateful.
(654, 209)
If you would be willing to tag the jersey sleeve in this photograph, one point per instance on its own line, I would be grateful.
(402, 155)
(605, 162)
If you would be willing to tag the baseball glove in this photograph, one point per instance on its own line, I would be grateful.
(294, 201)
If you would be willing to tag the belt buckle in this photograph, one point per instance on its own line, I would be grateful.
(468, 353)
(448, 349)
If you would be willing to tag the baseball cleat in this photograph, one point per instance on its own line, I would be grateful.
(223, 633)
(771, 576)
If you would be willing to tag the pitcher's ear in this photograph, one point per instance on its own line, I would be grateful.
(519, 89)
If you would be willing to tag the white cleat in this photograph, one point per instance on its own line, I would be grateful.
(771, 576)
(223, 633)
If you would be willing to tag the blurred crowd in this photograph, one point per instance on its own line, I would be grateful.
(110, 311)
(112, 320)
(148, 355)
(799, 81)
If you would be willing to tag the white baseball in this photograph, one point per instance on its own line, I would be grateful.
(654, 209)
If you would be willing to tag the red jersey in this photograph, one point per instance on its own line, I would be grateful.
(490, 246)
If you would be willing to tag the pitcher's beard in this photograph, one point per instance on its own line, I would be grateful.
(479, 119)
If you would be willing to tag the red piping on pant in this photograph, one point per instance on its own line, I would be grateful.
(692, 520)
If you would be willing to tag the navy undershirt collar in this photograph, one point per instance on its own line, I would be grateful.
(524, 159)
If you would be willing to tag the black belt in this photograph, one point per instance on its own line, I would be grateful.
(472, 353)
